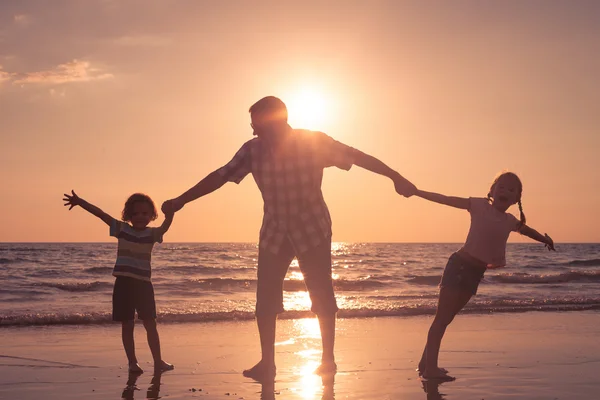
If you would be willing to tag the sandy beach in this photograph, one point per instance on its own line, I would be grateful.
(543, 355)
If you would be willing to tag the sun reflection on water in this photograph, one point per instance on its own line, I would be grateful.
(308, 331)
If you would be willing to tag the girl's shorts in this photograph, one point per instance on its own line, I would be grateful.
(462, 274)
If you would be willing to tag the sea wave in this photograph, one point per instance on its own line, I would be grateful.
(291, 285)
(525, 278)
(502, 306)
(98, 270)
(76, 286)
(592, 262)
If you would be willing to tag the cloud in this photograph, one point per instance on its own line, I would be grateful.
(4, 76)
(73, 71)
(58, 94)
(22, 19)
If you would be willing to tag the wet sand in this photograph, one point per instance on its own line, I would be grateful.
(537, 355)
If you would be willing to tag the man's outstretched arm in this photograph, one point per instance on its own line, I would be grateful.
(234, 171)
(212, 182)
(370, 163)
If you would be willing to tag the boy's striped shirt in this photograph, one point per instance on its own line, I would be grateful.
(134, 250)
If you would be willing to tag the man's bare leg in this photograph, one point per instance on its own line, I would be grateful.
(265, 369)
(327, 325)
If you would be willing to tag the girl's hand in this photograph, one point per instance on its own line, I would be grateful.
(549, 243)
(404, 187)
(72, 200)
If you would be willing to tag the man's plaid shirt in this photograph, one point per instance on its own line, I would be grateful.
(289, 179)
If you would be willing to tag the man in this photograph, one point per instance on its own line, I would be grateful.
(287, 165)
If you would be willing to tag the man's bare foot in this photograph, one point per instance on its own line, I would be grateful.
(437, 374)
(326, 368)
(261, 372)
(135, 368)
(163, 366)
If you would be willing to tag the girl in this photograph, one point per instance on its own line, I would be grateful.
(133, 290)
(485, 248)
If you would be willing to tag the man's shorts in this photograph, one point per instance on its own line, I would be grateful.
(315, 265)
(462, 274)
(131, 295)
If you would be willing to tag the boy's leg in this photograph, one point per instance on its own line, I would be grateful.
(154, 344)
(269, 302)
(316, 268)
(129, 345)
(124, 312)
(146, 308)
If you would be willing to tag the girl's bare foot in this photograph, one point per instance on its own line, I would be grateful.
(163, 366)
(437, 374)
(135, 368)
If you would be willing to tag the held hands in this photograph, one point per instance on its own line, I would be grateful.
(170, 207)
(72, 200)
(549, 243)
(404, 187)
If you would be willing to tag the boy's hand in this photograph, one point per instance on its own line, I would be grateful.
(549, 243)
(72, 200)
(171, 206)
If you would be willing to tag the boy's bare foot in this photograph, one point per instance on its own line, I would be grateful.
(326, 368)
(437, 374)
(261, 372)
(163, 366)
(135, 368)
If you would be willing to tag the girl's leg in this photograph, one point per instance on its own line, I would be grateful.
(451, 301)
(154, 344)
(129, 345)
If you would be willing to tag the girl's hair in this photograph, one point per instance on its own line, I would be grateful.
(134, 199)
(519, 194)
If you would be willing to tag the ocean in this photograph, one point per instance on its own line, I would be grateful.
(71, 283)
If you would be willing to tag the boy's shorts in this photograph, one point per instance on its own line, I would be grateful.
(131, 295)
(462, 274)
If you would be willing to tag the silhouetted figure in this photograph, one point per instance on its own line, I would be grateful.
(133, 290)
(287, 165)
(485, 248)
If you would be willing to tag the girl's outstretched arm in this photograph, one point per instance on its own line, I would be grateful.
(535, 235)
(73, 200)
(458, 202)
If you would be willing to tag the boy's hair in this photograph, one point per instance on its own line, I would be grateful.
(269, 108)
(519, 195)
(137, 198)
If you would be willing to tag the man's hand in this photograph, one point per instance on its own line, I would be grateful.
(72, 200)
(170, 207)
(404, 187)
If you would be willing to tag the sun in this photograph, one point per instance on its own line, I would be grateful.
(308, 109)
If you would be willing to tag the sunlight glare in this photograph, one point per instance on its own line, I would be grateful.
(309, 109)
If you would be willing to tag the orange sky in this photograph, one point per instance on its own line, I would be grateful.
(110, 97)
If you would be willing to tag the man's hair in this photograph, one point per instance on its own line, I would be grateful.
(269, 108)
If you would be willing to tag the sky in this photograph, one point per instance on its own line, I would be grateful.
(110, 98)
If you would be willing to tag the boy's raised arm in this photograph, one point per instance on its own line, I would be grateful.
(74, 200)
(166, 223)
